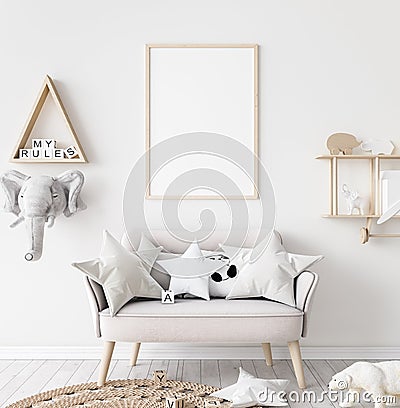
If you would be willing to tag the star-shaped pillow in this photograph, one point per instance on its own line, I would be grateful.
(190, 272)
(250, 391)
(122, 274)
(157, 271)
(271, 272)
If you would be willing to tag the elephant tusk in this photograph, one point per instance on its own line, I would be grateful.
(17, 221)
(50, 220)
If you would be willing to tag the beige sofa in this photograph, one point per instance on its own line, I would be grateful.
(198, 321)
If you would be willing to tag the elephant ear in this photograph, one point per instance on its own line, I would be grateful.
(12, 182)
(72, 182)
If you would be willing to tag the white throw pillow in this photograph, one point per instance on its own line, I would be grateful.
(239, 255)
(250, 391)
(195, 287)
(157, 272)
(222, 281)
(145, 244)
(190, 272)
(271, 273)
(122, 274)
(190, 266)
(193, 251)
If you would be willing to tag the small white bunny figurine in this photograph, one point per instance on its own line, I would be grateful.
(355, 201)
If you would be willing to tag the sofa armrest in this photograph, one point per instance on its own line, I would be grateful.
(97, 301)
(305, 285)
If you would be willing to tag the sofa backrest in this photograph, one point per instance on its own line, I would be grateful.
(170, 241)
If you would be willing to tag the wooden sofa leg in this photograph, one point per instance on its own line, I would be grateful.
(135, 353)
(295, 354)
(105, 362)
(267, 353)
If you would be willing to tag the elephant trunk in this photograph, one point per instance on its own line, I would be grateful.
(35, 230)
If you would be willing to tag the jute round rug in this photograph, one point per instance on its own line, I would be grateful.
(122, 394)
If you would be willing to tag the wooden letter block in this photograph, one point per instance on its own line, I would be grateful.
(71, 152)
(167, 296)
(49, 143)
(58, 154)
(159, 376)
(37, 144)
(47, 154)
(25, 153)
(172, 402)
(36, 153)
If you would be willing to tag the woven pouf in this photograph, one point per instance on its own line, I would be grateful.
(121, 394)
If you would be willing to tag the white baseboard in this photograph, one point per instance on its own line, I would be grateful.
(198, 352)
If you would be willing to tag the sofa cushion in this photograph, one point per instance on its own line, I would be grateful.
(199, 308)
(196, 321)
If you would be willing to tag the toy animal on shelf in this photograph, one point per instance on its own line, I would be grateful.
(379, 380)
(342, 142)
(378, 146)
(355, 201)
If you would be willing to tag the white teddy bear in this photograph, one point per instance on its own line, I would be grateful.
(379, 379)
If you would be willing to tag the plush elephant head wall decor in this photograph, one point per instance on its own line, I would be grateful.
(39, 200)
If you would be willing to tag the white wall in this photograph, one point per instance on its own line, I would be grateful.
(324, 66)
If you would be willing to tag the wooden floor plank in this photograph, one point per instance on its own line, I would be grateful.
(172, 369)
(322, 371)
(337, 365)
(209, 373)
(94, 376)
(62, 376)
(248, 366)
(179, 373)
(320, 382)
(4, 364)
(140, 370)
(350, 362)
(262, 370)
(283, 371)
(191, 370)
(24, 384)
(84, 372)
(12, 371)
(229, 371)
(121, 370)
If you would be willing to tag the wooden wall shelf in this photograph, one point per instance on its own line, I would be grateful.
(360, 156)
(48, 88)
(355, 216)
(375, 193)
(75, 160)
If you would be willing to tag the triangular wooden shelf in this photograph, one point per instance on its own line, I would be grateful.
(47, 88)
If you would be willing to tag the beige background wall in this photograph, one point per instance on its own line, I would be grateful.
(324, 66)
